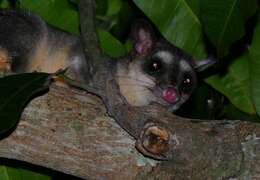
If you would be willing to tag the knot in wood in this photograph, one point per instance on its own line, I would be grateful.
(154, 141)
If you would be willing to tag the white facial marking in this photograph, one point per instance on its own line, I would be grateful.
(134, 85)
(165, 56)
(185, 66)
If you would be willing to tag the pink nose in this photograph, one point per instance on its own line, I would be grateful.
(170, 95)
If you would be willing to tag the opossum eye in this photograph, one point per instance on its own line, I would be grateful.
(154, 65)
(186, 84)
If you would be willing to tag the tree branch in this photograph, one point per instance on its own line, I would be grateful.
(96, 60)
(70, 131)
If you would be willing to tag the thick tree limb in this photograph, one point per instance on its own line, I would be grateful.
(71, 132)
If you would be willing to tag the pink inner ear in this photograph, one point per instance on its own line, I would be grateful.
(144, 42)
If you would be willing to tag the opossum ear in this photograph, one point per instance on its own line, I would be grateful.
(143, 37)
(201, 65)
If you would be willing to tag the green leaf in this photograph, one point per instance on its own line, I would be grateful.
(114, 7)
(224, 21)
(249, 8)
(255, 67)
(74, 1)
(5, 4)
(15, 92)
(58, 13)
(111, 45)
(30, 175)
(9, 173)
(177, 22)
(101, 8)
(232, 113)
(235, 84)
(108, 13)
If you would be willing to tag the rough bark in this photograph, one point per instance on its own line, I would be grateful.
(70, 131)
